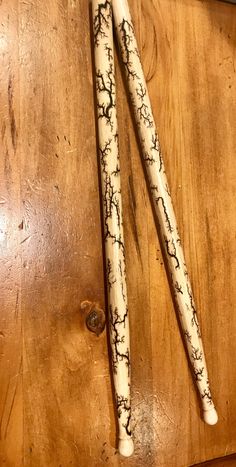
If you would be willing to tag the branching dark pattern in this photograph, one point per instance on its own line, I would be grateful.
(207, 395)
(141, 91)
(194, 311)
(149, 158)
(101, 21)
(123, 405)
(116, 171)
(127, 31)
(127, 425)
(122, 274)
(111, 279)
(178, 287)
(106, 84)
(120, 268)
(154, 189)
(167, 189)
(156, 147)
(118, 338)
(103, 153)
(198, 373)
(196, 354)
(170, 229)
(108, 51)
(144, 115)
(171, 251)
(188, 336)
(112, 204)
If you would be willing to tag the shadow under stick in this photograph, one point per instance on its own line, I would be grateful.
(162, 202)
(112, 217)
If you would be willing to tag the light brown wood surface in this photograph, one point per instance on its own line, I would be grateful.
(56, 406)
(226, 461)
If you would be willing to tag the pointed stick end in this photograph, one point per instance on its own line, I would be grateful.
(126, 447)
(210, 416)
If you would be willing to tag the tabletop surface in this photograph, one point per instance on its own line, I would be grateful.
(56, 403)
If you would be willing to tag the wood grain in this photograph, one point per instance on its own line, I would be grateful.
(56, 406)
(226, 461)
(11, 407)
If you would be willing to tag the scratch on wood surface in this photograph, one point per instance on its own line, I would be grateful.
(33, 187)
(3, 410)
(11, 113)
(3, 430)
(26, 239)
(17, 304)
(72, 150)
(133, 211)
(153, 58)
(103, 375)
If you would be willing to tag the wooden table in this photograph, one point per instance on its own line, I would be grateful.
(56, 406)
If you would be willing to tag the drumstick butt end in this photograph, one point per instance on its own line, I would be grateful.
(126, 447)
(210, 416)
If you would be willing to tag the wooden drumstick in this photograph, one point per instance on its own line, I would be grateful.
(162, 201)
(112, 217)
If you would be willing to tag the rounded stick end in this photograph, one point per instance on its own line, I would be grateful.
(126, 447)
(210, 416)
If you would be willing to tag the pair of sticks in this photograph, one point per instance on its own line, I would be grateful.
(112, 210)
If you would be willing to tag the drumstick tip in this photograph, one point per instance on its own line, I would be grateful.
(126, 447)
(210, 416)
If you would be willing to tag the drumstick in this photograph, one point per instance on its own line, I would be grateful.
(162, 202)
(112, 217)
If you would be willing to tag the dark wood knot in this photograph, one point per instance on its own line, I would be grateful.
(95, 317)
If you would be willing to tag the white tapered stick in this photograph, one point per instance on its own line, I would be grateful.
(112, 216)
(162, 202)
